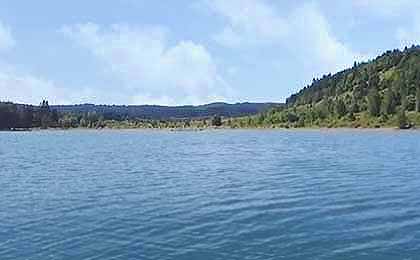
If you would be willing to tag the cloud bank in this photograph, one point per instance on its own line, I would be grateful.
(246, 49)
(305, 32)
(249, 22)
(151, 69)
(6, 39)
(22, 88)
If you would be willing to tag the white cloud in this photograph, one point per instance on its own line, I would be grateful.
(403, 13)
(387, 7)
(150, 68)
(408, 36)
(314, 42)
(23, 88)
(305, 32)
(6, 39)
(250, 22)
(29, 89)
(17, 86)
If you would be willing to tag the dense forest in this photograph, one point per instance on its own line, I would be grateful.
(14, 116)
(24, 117)
(167, 112)
(384, 92)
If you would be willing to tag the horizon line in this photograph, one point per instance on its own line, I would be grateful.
(136, 105)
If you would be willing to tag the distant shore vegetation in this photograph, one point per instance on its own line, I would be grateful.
(381, 93)
(19, 117)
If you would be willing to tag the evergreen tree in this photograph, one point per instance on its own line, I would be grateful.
(354, 106)
(374, 102)
(340, 108)
(389, 103)
(373, 81)
(402, 119)
(54, 116)
(26, 116)
(216, 121)
(403, 95)
(418, 99)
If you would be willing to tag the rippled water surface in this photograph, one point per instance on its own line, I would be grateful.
(210, 195)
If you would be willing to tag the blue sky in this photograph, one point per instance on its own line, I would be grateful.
(188, 52)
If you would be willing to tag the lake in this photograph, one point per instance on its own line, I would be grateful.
(234, 194)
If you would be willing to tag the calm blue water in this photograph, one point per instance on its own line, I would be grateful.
(210, 195)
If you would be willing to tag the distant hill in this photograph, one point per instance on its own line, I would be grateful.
(169, 112)
(383, 92)
(19, 116)
(397, 71)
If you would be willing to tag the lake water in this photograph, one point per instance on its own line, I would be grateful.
(210, 195)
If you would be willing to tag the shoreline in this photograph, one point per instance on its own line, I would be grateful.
(179, 130)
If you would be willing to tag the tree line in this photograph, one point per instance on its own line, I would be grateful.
(21, 117)
(16, 116)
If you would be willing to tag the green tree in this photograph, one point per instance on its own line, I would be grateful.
(292, 117)
(54, 117)
(410, 103)
(216, 121)
(83, 122)
(8, 116)
(321, 110)
(389, 103)
(374, 102)
(261, 118)
(373, 80)
(354, 105)
(418, 99)
(340, 108)
(403, 96)
(402, 119)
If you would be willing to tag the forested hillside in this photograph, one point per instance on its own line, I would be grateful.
(379, 93)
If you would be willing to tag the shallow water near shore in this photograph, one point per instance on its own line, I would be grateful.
(243, 194)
